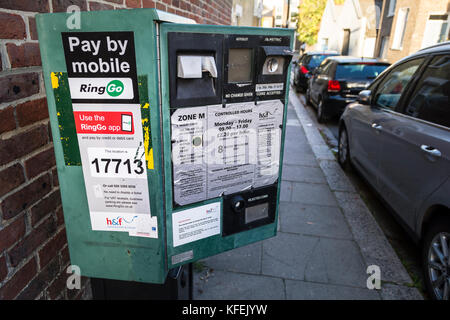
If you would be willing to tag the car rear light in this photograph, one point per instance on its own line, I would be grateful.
(334, 86)
(303, 70)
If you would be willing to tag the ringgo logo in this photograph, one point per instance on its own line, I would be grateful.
(101, 88)
(114, 88)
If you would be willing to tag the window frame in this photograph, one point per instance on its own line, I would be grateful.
(412, 87)
(407, 91)
(391, 8)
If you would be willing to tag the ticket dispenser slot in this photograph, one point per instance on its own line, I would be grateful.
(195, 68)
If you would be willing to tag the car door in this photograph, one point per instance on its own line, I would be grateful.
(414, 158)
(367, 122)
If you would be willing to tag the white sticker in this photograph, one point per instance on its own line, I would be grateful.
(196, 223)
(113, 161)
(269, 87)
(101, 88)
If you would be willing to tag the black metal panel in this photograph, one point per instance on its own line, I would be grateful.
(234, 218)
(195, 92)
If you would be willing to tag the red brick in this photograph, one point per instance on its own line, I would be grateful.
(55, 179)
(17, 86)
(12, 233)
(40, 282)
(20, 279)
(58, 285)
(33, 29)
(59, 216)
(7, 121)
(115, 1)
(11, 178)
(40, 163)
(12, 26)
(25, 5)
(52, 248)
(34, 239)
(161, 6)
(23, 143)
(62, 5)
(168, 2)
(133, 3)
(45, 206)
(65, 257)
(3, 268)
(24, 55)
(25, 197)
(32, 111)
(97, 6)
(148, 4)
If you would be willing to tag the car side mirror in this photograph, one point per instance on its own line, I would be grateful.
(365, 97)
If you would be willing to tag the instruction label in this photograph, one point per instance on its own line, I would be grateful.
(196, 223)
(220, 150)
(113, 161)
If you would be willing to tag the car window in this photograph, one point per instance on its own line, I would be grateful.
(392, 86)
(359, 71)
(430, 100)
(325, 67)
(316, 60)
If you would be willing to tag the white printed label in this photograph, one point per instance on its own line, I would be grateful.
(269, 87)
(101, 88)
(195, 223)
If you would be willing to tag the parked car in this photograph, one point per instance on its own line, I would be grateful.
(307, 63)
(398, 137)
(338, 81)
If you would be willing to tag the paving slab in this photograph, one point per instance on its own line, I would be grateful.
(311, 193)
(303, 174)
(313, 220)
(303, 290)
(286, 255)
(223, 285)
(245, 259)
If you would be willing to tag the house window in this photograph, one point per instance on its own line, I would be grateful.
(400, 28)
(436, 29)
(391, 10)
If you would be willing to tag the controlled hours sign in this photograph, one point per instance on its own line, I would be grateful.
(220, 150)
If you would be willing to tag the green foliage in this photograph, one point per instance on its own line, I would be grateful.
(309, 16)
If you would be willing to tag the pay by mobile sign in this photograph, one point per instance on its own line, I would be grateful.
(102, 77)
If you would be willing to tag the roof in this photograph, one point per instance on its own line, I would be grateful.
(350, 59)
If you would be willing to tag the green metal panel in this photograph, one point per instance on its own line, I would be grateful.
(215, 244)
(104, 254)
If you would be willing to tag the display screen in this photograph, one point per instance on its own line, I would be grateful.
(240, 65)
(257, 212)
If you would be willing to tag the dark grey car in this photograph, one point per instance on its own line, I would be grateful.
(398, 137)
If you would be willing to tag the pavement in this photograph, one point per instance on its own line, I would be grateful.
(326, 236)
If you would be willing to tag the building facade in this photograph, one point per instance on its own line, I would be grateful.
(350, 28)
(407, 26)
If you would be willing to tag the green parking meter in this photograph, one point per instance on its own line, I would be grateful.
(168, 137)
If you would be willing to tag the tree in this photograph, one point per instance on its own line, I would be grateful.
(308, 23)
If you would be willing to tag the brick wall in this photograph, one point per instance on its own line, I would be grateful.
(33, 249)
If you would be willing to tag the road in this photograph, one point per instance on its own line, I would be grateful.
(406, 249)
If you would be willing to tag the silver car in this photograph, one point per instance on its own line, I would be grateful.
(397, 136)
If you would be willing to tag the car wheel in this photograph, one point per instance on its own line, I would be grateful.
(344, 149)
(321, 111)
(436, 259)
